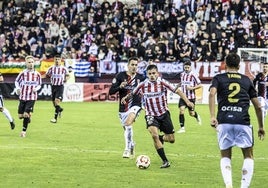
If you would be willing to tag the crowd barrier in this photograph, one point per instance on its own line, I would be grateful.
(91, 92)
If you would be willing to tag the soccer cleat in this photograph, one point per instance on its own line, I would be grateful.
(182, 130)
(126, 154)
(59, 113)
(12, 125)
(23, 134)
(53, 120)
(165, 164)
(199, 121)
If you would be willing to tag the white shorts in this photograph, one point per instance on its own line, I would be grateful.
(263, 102)
(230, 135)
(123, 115)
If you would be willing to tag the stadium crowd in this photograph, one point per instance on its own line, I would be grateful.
(153, 30)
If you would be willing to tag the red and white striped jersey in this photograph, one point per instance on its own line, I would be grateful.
(57, 74)
(189, 79)
(154, 95)
(28, 81)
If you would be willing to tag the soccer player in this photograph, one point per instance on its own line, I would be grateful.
(123, 83)
(234, 92)
(157, 116)
(27, 83)
(58, 75)
(3, 109)
(261, 82)
(189, 83)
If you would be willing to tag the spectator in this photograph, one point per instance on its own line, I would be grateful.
(40, 50)
(53, 30)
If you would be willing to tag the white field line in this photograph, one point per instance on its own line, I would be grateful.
(80, 150)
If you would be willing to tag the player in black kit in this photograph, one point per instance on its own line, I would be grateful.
(234, 92)
(124, 82)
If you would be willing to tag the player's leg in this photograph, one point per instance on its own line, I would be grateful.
(245, 142)
(194, 114)
(182, 106)
(127, 129)
(6, 113)
(248, 167)
(27, 108)
(57, 96)
(225, 135)
(127, 120)
(153, 128)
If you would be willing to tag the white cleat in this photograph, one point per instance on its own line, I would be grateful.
(23, 134)
(53, 120)
(126, 154)
(182, 130)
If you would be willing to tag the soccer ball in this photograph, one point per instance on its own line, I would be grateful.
(143, 161)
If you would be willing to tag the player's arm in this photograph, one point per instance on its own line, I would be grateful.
(258, 111)
(194, 87)
(117, 85)
(126, 98)
(212, 106)
(183, 96)
(66, 76)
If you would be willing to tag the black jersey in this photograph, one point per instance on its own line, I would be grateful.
(132, 82)
(260, 80)
(234, 92)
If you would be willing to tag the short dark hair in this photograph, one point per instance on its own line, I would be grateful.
(232, 60)
(150, 67)
(133, 58)
(187, 62)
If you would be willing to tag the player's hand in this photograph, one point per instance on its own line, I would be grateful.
(189, 88)
(123, 84)
(190, 104)
(261, 134)
(123, 100)
(213, 122)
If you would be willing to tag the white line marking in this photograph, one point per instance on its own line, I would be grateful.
(79, 150)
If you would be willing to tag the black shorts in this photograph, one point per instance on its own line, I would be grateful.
(163, 122)
(183, 103)
(57, 92)
(26, 106)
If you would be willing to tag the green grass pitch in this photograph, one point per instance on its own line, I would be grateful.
(84, 149)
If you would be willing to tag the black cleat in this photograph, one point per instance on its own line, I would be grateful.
(165, 164)
(12, 125)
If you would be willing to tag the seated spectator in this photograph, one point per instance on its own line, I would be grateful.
(171, 56)
(40, 50)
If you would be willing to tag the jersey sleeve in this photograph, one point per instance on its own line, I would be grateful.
(115, 85)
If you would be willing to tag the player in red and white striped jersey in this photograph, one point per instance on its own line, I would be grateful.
(189, 83)
(58, 75)
(27, 83)
(154, 92)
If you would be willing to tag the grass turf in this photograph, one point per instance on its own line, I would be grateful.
(84, 149)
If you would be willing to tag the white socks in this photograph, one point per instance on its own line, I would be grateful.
(247, 172)
(226, 171)
(128, 134)
(7, 114)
